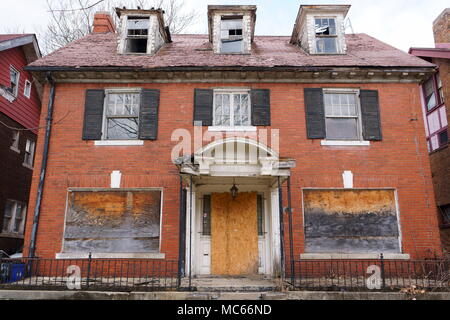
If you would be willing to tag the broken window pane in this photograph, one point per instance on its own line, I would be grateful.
(231, 35)
(232, 109)
(325, 26)
(430, 97)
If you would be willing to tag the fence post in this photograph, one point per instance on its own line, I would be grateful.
(89, 269)
(383, 278)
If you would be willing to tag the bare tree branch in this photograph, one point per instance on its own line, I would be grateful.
(72, 19)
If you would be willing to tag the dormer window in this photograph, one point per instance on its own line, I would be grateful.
(142, 31)
(231, 28)
(231, 34)
(137, 34)
(319, 29)
(326, 35)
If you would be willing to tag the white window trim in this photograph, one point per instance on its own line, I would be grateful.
(124, 36)
(119, 143)
(27, 83)
(232, 128)
(10, 231)
(125, 142)
(337, 256)
(16, 91)
(361, 142)
(345, 143)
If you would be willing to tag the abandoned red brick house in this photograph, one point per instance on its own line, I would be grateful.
(435, 92)
(19, 110)
(182, 147)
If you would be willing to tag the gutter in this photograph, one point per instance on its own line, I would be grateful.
(431, 67)
(37, 208)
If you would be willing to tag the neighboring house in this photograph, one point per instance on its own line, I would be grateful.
(435, 100)
(182, 147)
(19, 111)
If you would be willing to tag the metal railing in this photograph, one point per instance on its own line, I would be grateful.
(89, 274)
(367, 275)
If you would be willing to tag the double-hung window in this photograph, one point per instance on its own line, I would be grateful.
(137, 34)
(122, 116)
(27, 89)
(436, 115)
(14, 217)
(342, 115)
(29, 153)
(232, 34)
(326, 35)
(232, 109)
(14, 81)
(430, 95)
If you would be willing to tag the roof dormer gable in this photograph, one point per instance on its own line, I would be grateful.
(141, 31)
(231, 28)
(320, 29)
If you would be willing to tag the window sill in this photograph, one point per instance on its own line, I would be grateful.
(63, 256)
(232, 129)
(119, 143)
(11, 235)
(350, 256)
(28, 166)
(345, 143)
(15, 149)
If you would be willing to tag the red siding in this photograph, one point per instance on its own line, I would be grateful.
(23, 110)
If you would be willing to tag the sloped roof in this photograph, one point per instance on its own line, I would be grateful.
(27, 40)
(195, 51)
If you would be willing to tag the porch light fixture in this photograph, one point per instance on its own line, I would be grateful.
(234, 191)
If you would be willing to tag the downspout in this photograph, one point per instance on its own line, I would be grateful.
(182, 234)
(280, 204)
(48, 129)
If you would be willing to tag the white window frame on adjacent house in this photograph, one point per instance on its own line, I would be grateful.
(329, 141)
(27, 89)
(15, 141)
(105, 141)
(13, 227)
(232, 126)
(14, 91)
(29, 154)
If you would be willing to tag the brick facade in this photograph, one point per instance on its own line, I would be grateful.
(400, 161)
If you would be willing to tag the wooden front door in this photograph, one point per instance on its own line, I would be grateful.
(234, 234)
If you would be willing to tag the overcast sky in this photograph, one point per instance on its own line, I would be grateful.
(401, 23)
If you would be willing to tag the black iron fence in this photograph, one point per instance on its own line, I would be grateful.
(366, 275)
(89, 274)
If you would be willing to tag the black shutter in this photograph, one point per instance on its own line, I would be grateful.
(370, 114)
(203, 107)
(93, 114)
(148, 118)
(315, 113)
(260, 107)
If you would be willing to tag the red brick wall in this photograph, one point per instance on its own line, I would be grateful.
(400, 161)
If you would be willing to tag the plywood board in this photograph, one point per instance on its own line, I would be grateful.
(351, 221)
(113, 222)
(234, 234)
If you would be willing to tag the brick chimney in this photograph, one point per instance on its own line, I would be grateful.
(441, 27)
(103, 23)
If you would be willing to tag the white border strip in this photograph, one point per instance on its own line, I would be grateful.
(336, 256)
(83, 255)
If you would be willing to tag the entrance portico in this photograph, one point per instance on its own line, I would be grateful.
(236, 235)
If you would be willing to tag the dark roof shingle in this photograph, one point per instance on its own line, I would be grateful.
(100, 50)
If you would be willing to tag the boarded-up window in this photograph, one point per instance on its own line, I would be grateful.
(113, 222)
(351, 221)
